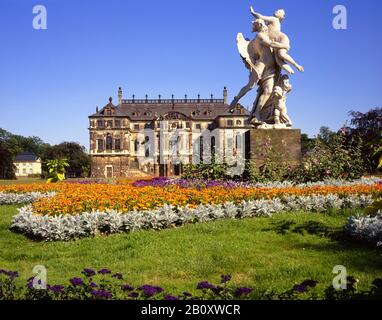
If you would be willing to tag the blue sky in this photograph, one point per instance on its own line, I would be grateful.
(51, 80)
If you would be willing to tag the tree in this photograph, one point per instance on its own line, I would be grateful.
(7, 168)
(306, 143)
(17, 143)
(326, 135)
(368, 127)
(78, 159)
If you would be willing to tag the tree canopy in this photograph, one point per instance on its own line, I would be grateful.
(12, 144)
(7, 169)
(17, 143)
(76, 155)
(368, 127)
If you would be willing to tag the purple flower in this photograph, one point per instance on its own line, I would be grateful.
(102, 294)
(104, 271)
(300, 288)
(118, 276)
(217, 289)
(188, 183)
(126, 287)
(149, 291)
(88, 272)
(10, 274)
(31, 283)
(155, 182)
(133, 294)
(309, 283)
(76, 282)
(242, 291)
(93, 284)
(225, 278)
(169, 297)
(56, 288)
(205, 285)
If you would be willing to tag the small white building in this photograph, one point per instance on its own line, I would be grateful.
(27, 163)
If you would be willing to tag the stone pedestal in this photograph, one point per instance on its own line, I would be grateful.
(285, 143)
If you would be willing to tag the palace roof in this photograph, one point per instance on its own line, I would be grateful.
(151, 109)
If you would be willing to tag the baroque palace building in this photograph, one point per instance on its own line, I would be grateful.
(159, 136)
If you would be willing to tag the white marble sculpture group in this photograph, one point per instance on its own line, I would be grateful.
(265, 57)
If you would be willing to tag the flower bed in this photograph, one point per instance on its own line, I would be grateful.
(76, 198)
(64, 211)
(107, 285)
(66, 227)
(23, 198)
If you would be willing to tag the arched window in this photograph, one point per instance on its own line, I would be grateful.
(147, 146)
(109, 142)
(213, 147)
(136, 143)
(238, 142)
(201, 148)
(100, 145)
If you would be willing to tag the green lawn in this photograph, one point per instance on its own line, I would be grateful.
(263, 253)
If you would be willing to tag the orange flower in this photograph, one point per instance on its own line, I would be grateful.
(76, 198)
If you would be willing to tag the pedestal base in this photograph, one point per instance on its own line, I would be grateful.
(285, 142)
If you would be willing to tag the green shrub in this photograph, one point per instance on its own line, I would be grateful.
(56, 169)
(338, 159)
(211, 171)
(272, 167)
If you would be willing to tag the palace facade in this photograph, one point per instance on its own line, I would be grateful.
(159, 136)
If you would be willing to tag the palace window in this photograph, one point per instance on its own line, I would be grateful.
(238, 122)
(147, 147)
(136, 127)
(117, 144)
(188, 125)
(198, 126)
(238, 142)
(109, 142)
(149, 125)
(109, 123)
(100, 145)
(136, 144)
(213, 146)
(117, 123)
(230, 123)
(100, 123)
(230, 143)
(201, 149)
